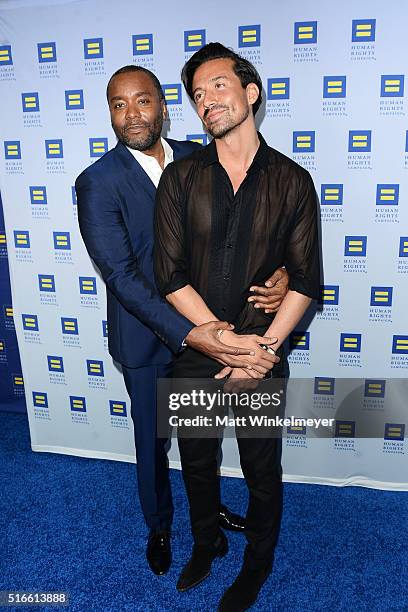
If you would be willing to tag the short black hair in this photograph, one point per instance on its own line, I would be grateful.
(134, 68)
(244, 70)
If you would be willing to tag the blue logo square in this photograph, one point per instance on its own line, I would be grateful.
(172, 93)
(87, 285)
(78, 404)
(400, 345)
(55, 363)
(30, 322)
(117, 408)
(194, 40)
(329, 294)
(38, 195)
(304, 142)
(387, 194)
(278, 88)
(40, 400)
(54, 149)
(305, 32)
(46, 282)
(345, 429)
(394, 431)
(21, 239)
(392, 86)
(324, 385)
(355, 246)
(94, 368)
(93, 48)
(249, 36)
(334, 87)
(332, 194)
(381, 296)
(69, 326)
(62, 241)
(105, 329)
(74, 99)
(47, 52)
(374, 388)
(142, 44)
(363, 30)
(6, 58)
(98, 147)
(300, 340)
(359, 141)
(31, 102)
(350, 343)
(403, 246)
(12, 149)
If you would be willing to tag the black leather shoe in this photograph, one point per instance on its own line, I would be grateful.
(230, 521)
(243, 592)
(199, 566)
(158, 552)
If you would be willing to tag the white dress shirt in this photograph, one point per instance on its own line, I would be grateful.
(150, 164)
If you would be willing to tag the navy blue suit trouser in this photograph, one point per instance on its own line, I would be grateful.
(152, 464)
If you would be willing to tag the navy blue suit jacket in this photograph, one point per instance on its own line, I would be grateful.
(115, 212)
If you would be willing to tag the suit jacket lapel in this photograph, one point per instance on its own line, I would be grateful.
(136, 169)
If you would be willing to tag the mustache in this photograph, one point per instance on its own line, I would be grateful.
(129, 126)
(214, 108)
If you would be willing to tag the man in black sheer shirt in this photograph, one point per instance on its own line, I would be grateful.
(237, 209)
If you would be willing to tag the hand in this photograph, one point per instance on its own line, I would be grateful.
(261, 360)
(205, 338)
(240, 381)
(270, 297)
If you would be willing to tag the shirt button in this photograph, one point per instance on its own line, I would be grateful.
(226, 277)
(229, 246)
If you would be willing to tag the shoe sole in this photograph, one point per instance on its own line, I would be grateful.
(221, 554)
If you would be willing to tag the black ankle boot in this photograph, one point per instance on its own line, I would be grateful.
(243, 592)
(199, 566)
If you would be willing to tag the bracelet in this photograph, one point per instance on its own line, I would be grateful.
(268, 349)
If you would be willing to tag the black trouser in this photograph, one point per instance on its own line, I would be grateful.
(260, 460)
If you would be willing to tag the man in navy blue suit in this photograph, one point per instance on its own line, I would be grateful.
(115, 209)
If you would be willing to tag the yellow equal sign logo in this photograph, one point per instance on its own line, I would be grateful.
(18, 380)
(12, 150)
(30, 101)
(46, 52)
(334, 86)
(350, 342)
(94, 367)
(3, 238)
(249, 36)
(392, 85)
(117, 408)
(39, 399)
(8, 311)
(5, 55)
(54, 148)
(87, 286)
(193, 40)
(74, 99)
(171, 94)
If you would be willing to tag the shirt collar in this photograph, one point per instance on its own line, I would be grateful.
(210, 155)
(143, 158)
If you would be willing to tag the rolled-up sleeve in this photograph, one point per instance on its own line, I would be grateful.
(302, 256)
(170, 266)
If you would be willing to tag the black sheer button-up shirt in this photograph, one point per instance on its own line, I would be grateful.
(222, 244)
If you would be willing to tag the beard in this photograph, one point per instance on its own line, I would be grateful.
(142, 142)
(226, 123)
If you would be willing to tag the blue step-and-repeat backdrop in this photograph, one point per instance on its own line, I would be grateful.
(335, 101)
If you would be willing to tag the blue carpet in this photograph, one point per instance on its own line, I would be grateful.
(74, 524)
